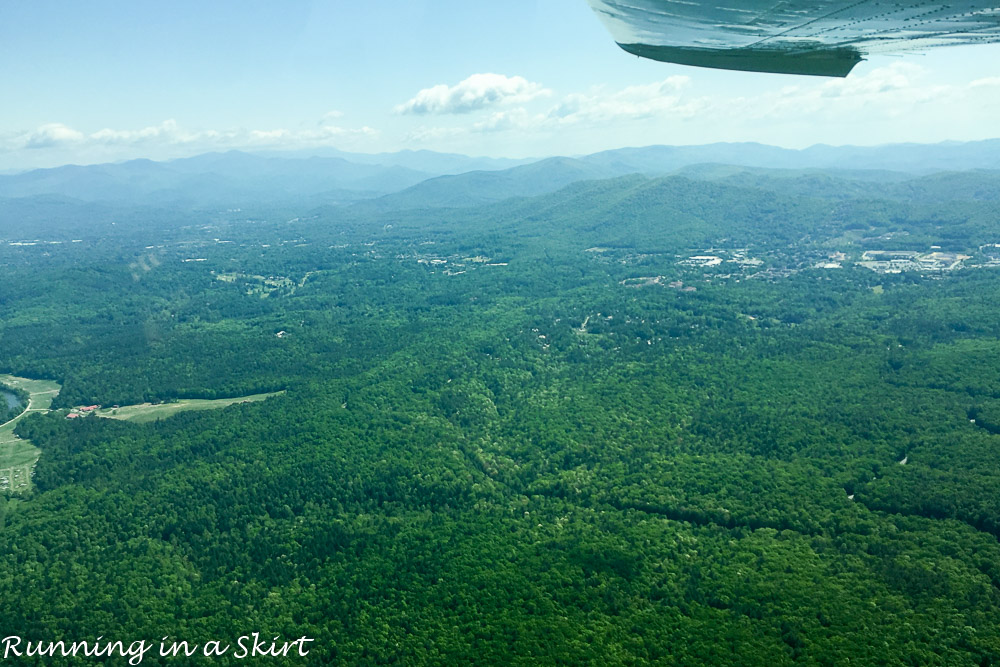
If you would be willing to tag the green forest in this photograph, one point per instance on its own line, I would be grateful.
(671, 421)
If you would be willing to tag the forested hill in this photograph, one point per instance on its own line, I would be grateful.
(944, 186)
(677, 213)
(728, 418)
(479, 187)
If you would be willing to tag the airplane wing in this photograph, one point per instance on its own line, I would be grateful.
(817, 37)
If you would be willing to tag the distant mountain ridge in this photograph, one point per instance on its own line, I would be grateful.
(483, 187)
(858, 164)
(214, 179)
(423, 179)
(420, 160)
(915, 158)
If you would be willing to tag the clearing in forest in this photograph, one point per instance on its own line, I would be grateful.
(17, 456)
(148, 412)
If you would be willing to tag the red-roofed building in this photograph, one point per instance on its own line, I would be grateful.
(72, 415)
(89, 408)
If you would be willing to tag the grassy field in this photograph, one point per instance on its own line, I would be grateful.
(148, 412)
(14, 451)
(42, 391)
(17, 456)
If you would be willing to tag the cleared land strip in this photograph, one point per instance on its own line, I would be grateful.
(18, 456)
(147, 412)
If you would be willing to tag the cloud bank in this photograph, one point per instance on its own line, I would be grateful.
(170, 134)
(512, 116)
(479, 91)
(48, 136)
(900, 101)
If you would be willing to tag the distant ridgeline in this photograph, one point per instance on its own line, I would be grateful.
(732, 416)
(131, 196)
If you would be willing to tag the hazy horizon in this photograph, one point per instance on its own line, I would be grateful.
(521, 79)
(333, 151)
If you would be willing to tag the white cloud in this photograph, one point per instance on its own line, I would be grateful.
(897, 101)
(166, 131)
(514, 119)
(479, 91)
(169, 134)
(659, 99)
(881, 81)
(991, 81)
(426, 135)
(49, 135)
(886, 92)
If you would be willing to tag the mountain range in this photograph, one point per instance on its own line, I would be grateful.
(424, 179)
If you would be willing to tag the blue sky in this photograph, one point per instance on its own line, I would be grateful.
(98, 81)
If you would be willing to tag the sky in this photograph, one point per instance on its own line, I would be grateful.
(98, 81)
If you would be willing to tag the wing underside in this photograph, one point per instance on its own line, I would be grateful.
(822, 37)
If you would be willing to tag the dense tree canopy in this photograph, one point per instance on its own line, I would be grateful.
(533, 433)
